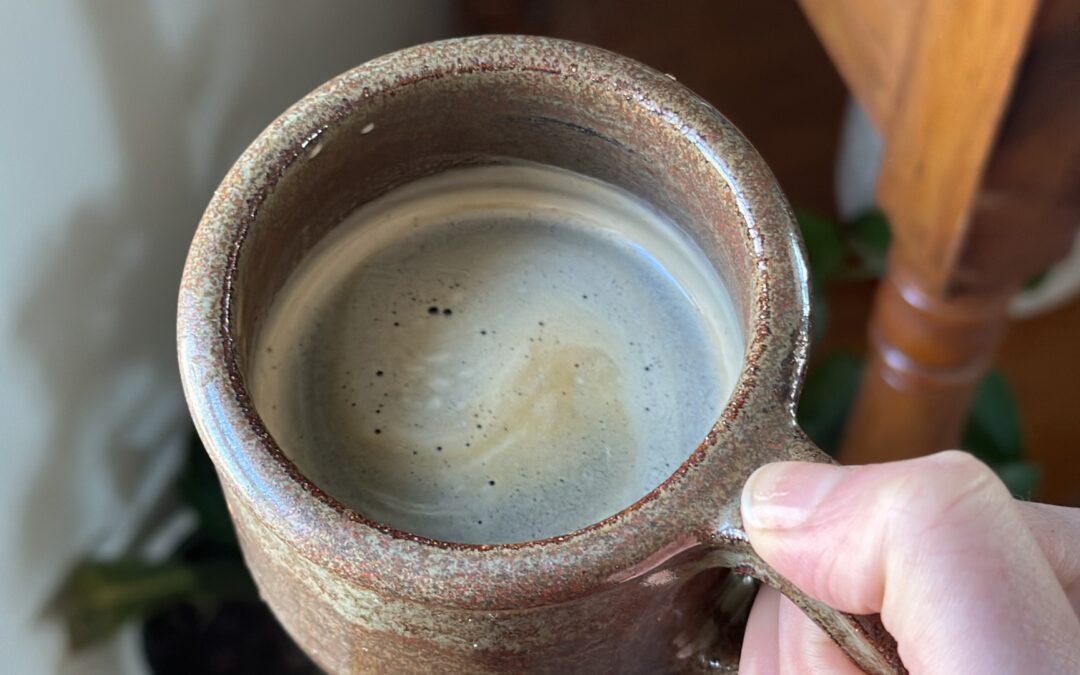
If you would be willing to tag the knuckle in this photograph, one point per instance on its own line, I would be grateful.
(949, 491)
(960, 462)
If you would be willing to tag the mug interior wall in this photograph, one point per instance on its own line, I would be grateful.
(401, 134)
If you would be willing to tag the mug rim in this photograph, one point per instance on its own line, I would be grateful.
(760, 409)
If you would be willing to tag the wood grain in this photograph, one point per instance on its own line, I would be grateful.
(958, 80)
(927, 353)
(869, 42)
(1039, 360)
(1027, 209)
(982, 226)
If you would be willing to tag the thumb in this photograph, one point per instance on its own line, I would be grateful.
(936, 545)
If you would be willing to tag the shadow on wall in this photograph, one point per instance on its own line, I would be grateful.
(99, 321)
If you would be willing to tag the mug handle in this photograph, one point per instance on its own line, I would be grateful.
(862, 637)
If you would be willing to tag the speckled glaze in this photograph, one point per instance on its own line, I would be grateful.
(637, 592)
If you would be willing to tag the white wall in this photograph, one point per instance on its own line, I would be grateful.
(118, 120)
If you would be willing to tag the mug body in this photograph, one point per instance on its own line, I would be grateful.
(661, 586)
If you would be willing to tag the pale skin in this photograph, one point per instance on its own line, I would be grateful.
(967, 579)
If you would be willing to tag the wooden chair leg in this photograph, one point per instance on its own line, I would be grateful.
(927, 353)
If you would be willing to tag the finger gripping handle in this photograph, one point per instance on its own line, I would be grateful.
(863, 638)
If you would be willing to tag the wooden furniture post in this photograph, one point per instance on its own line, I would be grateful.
(980, 180)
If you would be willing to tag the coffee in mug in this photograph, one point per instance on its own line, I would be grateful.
(497, 354)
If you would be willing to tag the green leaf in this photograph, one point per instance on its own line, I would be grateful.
(993, 435)
(869, 237)
(824, 247)
(993, 428)
(1020, 477)
(819, 320)
(99, 597)
(1034, 282)
(827, 397)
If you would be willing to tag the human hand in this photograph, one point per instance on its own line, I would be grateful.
(967, 579)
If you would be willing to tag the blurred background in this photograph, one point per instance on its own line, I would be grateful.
(121, 118)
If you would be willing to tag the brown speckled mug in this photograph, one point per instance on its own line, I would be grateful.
(657, 587)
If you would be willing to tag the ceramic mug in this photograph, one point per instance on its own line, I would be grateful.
(653, 588)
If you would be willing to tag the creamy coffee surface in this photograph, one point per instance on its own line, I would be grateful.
(496, 354)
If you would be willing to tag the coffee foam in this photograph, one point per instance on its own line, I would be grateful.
(496, 354)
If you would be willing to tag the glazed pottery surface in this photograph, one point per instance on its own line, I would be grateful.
(646, 590)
